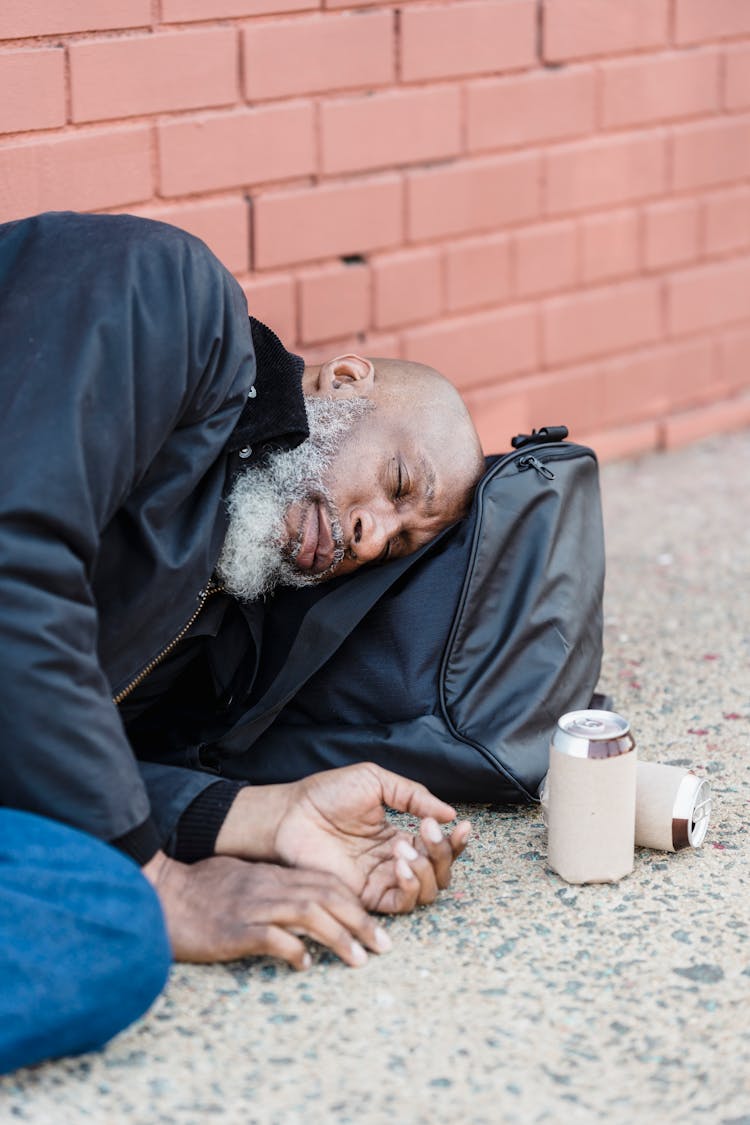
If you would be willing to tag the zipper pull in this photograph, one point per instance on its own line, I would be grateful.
(533, 463)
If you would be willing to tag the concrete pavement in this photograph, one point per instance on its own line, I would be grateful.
(515, 998)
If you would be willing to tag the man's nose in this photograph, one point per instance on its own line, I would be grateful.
(371, 530)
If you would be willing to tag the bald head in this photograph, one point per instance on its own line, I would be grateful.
(415, 399)
(404, 471)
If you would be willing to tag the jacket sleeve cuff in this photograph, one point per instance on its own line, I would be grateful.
(201, 821)
(141, 843)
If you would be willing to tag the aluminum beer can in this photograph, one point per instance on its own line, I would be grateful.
(672, 808)
(591, 793)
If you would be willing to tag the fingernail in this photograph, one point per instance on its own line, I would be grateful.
(382, 940)
(404, 870)
(406, 851)
(432, 832)
(306, 961)
(359, 957)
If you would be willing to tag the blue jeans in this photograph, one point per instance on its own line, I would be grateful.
(83, 946)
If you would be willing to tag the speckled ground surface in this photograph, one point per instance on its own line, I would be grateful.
(516, 998)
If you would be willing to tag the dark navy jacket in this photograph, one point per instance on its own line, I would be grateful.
(126, 358)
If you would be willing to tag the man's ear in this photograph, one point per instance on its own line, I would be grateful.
(345, 375)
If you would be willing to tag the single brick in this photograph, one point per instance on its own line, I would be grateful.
(498, 412)
(477, 272)
(475, 36)
(713, 152)
(326, 221)
(544, 105)
(149, 73)
(698, 20)
(726, 221)
(478, 348)
(648, 89)
(241, 147)
(650, 383)
(576, 28)
(334, 300)
(21, 19)
(176, 11)
(719, 418)
(322, 52)
(472, 195)
(546, 258)
(395, 127)
(223, 224)
(688, 373)
(384, 344)
(671, 233)
(81, 172)
(604, 171)
(406, 287)
(628, 441)
(609, 246)
(737, 77)
(709, 296)
(319, 353)
(733, 359)
(372, 344)
(571, 397)
(33, 89)
(632, 388)
(271, 299)
(598, 321)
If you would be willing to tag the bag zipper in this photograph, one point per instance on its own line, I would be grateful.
(533, 463)
(203, 596)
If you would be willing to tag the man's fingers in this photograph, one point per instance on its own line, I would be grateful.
(459, 837)
(334, 918)
(403, 897)
(409, 796)
(443, 850)
(318, 924)
(259, 940)
(438, 851)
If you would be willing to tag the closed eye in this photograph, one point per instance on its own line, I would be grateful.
(399, 482)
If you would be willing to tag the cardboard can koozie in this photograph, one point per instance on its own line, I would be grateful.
(591, 792)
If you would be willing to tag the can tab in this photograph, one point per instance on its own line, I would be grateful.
(539, 437)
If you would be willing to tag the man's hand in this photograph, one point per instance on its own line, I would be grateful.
(221, 909)
(335, 822)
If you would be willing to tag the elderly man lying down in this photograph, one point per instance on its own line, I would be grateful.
(167, 464)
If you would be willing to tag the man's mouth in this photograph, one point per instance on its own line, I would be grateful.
(317, 547)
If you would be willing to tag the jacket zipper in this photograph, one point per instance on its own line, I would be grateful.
(203, 597)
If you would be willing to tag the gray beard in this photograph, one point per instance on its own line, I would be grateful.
(255, 557)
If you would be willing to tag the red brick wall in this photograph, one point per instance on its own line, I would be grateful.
(547, 199)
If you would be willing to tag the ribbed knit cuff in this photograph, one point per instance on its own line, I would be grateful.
(201, 821)
(141, 843)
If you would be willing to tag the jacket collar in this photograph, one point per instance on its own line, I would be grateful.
(274, 416)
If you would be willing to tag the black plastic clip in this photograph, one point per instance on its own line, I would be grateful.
(537, 437)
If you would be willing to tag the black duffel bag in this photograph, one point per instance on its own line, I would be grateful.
(451, 666)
